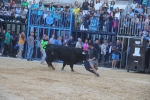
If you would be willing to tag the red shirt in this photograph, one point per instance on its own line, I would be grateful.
(11, 3)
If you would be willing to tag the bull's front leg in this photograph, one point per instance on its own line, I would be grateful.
(49, 63)
(71, 66)
(64, 64)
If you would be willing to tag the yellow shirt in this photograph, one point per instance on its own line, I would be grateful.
(76, 11)
(21, 41)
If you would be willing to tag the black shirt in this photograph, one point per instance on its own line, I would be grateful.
(1, 36)
(85, 6)
(92, 53)
(71, 43)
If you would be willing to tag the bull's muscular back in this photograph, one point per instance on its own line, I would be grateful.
(68, 54)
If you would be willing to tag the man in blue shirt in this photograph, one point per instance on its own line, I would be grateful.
(52, 39)
(59, 41)
(131, 13)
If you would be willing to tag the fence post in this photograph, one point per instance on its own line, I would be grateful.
(71, 24)
(27, 34)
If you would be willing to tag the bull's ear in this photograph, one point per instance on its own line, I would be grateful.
(83, 53)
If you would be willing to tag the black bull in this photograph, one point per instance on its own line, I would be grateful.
(68, 55)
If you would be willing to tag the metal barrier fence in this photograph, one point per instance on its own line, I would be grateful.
(53, 19)
(131, 27)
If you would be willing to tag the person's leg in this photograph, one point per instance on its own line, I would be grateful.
(43, 56)
(115, 62)
(92, 66)
(4, 52)
(102, 60)
(20, 50)
(29, 52)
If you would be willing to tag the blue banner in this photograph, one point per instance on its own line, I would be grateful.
(49, 20)
(94, 23)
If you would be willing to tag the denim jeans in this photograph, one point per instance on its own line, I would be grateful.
(103, 59)
(43, 56)
(146, 38)
(30, 52)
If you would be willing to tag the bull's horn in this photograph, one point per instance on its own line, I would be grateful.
(83, 53)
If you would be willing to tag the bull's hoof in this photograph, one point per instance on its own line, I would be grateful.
(53, 68)
(62, 69)
(72, 70)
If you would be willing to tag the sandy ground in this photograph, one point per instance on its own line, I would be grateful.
(23, 80)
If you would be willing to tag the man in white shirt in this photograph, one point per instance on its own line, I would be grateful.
(79, 43)
(103, 51)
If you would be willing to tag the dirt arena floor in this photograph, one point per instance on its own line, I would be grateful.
(23, 80)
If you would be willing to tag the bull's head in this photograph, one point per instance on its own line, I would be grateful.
(84, 52)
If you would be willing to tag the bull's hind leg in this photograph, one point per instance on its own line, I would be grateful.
(71, 66)
(64, 64)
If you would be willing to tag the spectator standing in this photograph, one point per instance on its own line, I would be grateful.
(85, 45)
(1, 37)
(79, 43)
(2, 41)
(6, 43)
(97, 47)
(52, 39)
(112, 6)
(85, 7)
(131, 13)
(110, 51)
(76, 4)
(59, 41)
(29, 5)
(117, 13)
(115, 56)
(97, 5)
(105, 6)
(18, 14)
(118, 48)
(11, 4)
(3, 6)
(71, 42)
(44, 42)
(22, 39)
(24, 3)
(24, 14)
(30, 41)
(50, 8)
(91, 5)
(71, 8)
(145, 3)
(103, 51)
(133, 5)
(65, 43)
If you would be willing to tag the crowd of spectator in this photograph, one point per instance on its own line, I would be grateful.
(14, 44)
